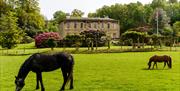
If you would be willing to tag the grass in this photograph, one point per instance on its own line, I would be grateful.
(101, 72)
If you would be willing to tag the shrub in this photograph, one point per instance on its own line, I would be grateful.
(71, 40)
(27, 39)
(42, 40)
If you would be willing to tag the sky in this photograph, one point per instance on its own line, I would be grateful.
(49, 7)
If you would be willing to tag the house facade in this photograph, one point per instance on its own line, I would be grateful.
(74, 26)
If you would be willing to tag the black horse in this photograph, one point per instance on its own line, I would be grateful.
(166, 59)
(39, 63)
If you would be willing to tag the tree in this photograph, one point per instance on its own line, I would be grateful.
(156, 39)
(129, 15)
(158, 4)
(59, 16)
(10, 34)
(173, 12)
(136, 15)
(173, 1)
(29, 18)
(176, 28)
(91, 15)
(4, 7)
(159, 20)
(77, 13)
(52, 27)
(73, 41)
(135, 37)
(51, 43)
(93, 37)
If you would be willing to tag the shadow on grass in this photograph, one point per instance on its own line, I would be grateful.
(154, 69)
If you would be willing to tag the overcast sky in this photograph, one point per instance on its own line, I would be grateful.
(48, 7)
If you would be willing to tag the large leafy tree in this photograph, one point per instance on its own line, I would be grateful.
(10, 34)
(136, 15)
(91, 15)
(173, 11)
(59, 16)
(77, 13)
(4, 7)
(129, 15)
(158, 4)
(29, 18)
(176, 27)
(173, 1)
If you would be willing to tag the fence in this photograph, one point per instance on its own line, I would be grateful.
(113, 49)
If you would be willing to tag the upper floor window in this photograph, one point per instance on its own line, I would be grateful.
(89, 25)
(113, 25)
(82, 25)
(75, 25)
(95, 25)
(108, 25)
(102, 25)
(114, 35)
(68, 25)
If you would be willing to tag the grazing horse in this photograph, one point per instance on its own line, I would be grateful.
(166, 59)
(39, 63)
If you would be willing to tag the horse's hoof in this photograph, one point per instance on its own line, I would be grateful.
(42, 89)
(37, 88)
(61, 89)
(71, 87)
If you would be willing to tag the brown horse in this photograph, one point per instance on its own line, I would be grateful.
(166, 59)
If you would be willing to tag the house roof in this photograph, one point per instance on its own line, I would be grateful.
(90, 19)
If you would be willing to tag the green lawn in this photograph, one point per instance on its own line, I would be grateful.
(101, 72)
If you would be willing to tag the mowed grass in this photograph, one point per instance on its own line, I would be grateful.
(101, 72)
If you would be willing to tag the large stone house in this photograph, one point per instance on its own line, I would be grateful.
(74, 26)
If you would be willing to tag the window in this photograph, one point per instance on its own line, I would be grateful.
(102, 25)
(95, 26)
(114, 35)
(68, 25)
(113, 25)
(108, 25)
(81, 25)
(89, 25)
(75, 25)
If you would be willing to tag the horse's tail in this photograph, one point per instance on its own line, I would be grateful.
(170, 62)
(71, 66)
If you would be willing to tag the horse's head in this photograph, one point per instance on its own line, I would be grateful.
(149, 64)
(19, 83)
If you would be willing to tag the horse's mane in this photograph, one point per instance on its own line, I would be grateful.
(25, 66)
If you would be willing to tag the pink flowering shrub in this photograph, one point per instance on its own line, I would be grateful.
(41, 40)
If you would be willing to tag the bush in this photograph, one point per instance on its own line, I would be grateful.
(27, 39)
(71, 40)
(47, 39)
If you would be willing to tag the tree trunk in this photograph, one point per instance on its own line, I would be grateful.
(92, 47)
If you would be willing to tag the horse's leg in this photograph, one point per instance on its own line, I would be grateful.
(40, 78)
(64, 72)
(164, 64)
(37, 81)
(154, 64)
(71, 83)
